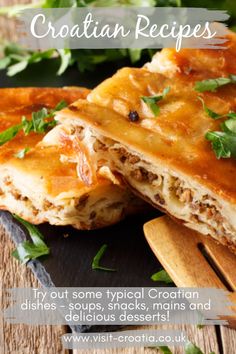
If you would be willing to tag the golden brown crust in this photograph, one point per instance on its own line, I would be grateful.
(197, 64)
(177, 135)
(18, 102)
(33, 98)
(175, 140)
(45, 185)
(196, 187)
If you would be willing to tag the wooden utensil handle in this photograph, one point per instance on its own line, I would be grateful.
(192, 259)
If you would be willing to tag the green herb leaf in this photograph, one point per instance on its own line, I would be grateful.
(21, 154)
(151, 101)
(191, 348)
(223, 144)
(135, 55)
(229, 126)
(231, 115)
(59, 3)
(200, 326)
(40, 122)
(165, 350)
(4, 62)
(27, 125)
(86, 59)
(209, 112)
(62, 104)
(65, 55)
(163, 276)
(214, 84)
(9, 133)
(26, 250)
(96, 261)
(233, 78)
(16, 68)
(12, 11)
(38, 56)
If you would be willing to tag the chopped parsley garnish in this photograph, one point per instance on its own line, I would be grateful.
(21, 154)
(209, 112)
(163, 276)
(200, 326)
(9, 133)
(27, 250)
(213, 84)
(96, 261)
(151, 101)
(164, 349)
(191, 348)
(223, 142)
(39, 123)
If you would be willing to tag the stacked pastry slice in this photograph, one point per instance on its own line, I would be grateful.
(38, 181)
(150, 124)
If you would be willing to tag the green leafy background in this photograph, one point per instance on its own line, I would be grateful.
(15, 59)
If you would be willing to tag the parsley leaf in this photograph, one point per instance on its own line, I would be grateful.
(151, 101)
(223, 143)
(27, 250)
(16, 59)
(135, 55)
(16, 68)
(14, 10)
(40, 122)
(97, 258)
(65, 55)
(229, 126)
(21, 154)
(4, 62)
(163, 276)
(209, 112)
(191, 348)
(62, 104)
(9, 133)
(200, 326)
(213, 84)
(231, 115)
(164, 349)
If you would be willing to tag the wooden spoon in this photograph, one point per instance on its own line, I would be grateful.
(192, 259)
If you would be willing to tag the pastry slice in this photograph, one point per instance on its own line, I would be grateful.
(196, 64)
(151, 129)
(38, 181)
